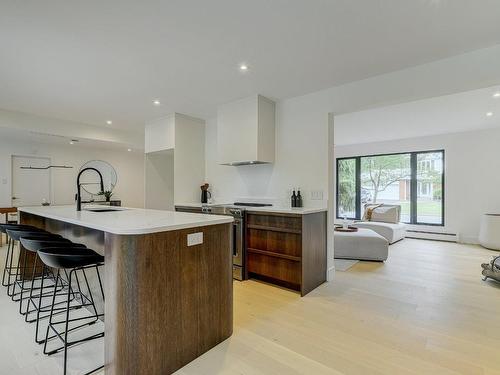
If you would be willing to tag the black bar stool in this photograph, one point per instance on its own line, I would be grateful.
(72, 260)
(7, 269)
(15, 235)
(35, 301)
(29, 244)
(33, 244)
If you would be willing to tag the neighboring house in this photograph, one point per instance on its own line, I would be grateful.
(430, 166)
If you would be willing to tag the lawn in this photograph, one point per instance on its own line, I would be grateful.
(431, 208)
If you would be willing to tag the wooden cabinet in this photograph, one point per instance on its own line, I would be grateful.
(287, 249)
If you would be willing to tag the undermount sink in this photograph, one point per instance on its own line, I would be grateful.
(104, 209)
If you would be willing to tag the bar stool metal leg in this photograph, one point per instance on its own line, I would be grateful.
(17, 275)
(5, 272)
(9, 284)
(73, 277)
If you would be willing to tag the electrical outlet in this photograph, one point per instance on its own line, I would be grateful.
(4, 181)
(195, 239)
(316, 194)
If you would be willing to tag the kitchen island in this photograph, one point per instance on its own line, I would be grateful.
(168, 281)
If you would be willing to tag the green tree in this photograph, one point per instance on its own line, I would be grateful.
(347, 185)
(379, 172)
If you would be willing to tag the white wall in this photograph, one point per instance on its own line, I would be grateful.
(302, 125)
(183, 137)
(159, 134)
(472, 181)
(159, 180)
(129, 167)
(189, 158)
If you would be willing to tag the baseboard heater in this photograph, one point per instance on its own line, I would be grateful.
(436, 236)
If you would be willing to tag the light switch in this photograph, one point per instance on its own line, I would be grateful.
(317, 194)
(4, 181)
(195, 238)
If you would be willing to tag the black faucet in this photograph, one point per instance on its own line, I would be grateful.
(78, 194)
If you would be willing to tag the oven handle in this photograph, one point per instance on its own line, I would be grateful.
(235, 247)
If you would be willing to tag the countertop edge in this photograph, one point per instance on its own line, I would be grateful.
(277, 210)
(290, 211)
(139, 231)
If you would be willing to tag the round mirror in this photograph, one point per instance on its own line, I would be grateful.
(89, 179)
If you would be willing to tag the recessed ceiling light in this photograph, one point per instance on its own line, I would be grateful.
(71, 142)
(129, 149)
(489, 114)
(156, 102)
(243, 67)
(496, 95)
(109, 122)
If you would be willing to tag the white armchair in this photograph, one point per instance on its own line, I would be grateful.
(384, 219)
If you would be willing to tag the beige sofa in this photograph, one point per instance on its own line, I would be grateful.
(385, 221)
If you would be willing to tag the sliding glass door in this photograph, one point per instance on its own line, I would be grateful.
(346, 188)
(413, 180)
(386, 179)
(429, 205)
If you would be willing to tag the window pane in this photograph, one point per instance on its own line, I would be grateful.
(346, 188)
(386, 179)
(430, 189)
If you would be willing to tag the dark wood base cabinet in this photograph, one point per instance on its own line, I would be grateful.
(287, 249)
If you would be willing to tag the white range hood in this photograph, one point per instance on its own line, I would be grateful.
(246, 131)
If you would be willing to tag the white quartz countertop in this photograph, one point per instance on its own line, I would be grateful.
(287, 210)
(127, 220)
(270, 209)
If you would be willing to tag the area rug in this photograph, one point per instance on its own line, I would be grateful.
(344, 264)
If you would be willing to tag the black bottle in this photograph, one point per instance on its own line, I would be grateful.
(294, 199)
(298, 199)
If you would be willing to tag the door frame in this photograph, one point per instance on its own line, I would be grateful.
(332, 176)
(12, 156)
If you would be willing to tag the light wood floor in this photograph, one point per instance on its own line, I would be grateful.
(424, 311)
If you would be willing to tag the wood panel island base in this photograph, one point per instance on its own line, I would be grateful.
(166, 302)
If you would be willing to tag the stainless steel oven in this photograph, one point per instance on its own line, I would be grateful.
(238, 245)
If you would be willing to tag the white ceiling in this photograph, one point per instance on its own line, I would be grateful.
(454, 113)
(35, 138)
(90, 61)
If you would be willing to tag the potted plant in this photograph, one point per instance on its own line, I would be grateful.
(107, 194)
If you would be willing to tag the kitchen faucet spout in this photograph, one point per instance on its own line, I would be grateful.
(78, 186)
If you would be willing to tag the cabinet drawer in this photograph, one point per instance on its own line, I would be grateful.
(281, 269)
(276, 242)
(281, 223)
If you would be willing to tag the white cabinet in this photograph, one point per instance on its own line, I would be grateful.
(175, 148)
(246, 131)
(160, 134)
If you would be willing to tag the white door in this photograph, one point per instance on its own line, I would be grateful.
(30, 187)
